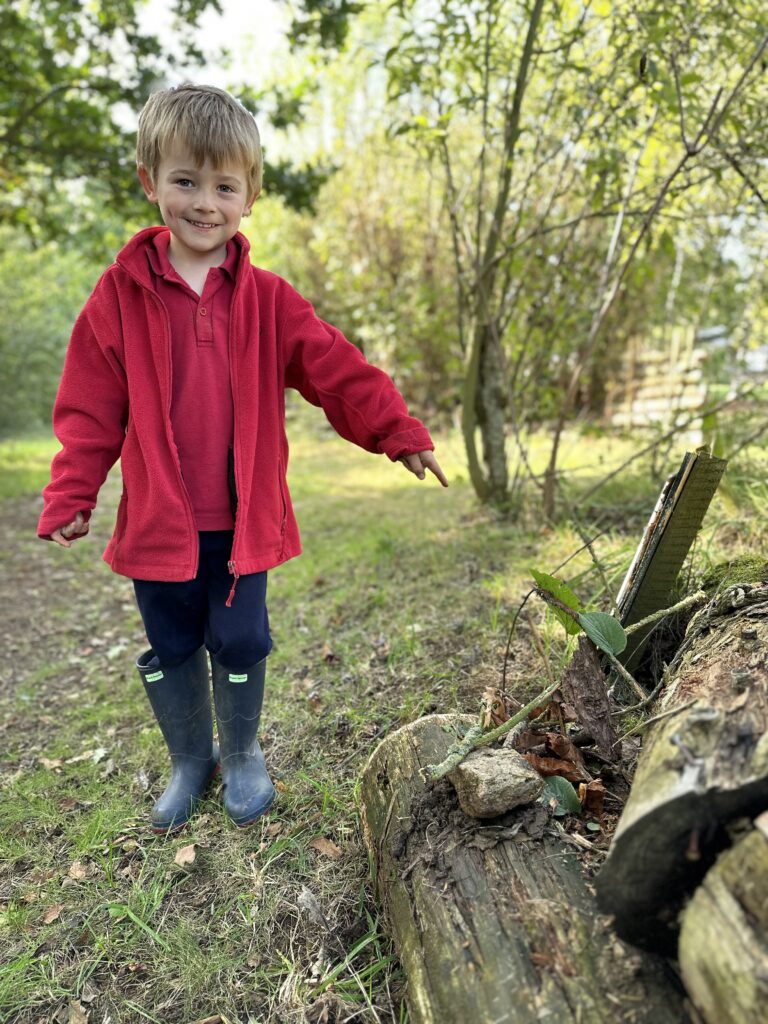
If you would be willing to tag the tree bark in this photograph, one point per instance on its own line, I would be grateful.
(493, 921)
(724, 935)
(704, 763)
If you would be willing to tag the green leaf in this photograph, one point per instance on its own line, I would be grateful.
(604, 631)
(563, 593)
(560, 791)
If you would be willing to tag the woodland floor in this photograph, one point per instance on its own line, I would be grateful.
(401, 605)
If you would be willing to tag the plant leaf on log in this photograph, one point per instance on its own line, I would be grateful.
(604, 631)
(560, 792)
(565, 595)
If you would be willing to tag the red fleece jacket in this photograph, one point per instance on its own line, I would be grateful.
(114, 401)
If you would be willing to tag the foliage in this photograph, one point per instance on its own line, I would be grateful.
(67, 67)
(42, 292)
(605, 632)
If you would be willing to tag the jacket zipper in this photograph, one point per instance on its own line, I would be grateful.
(185, 495)
(231, 564)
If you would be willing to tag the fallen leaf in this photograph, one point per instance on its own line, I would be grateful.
(274, 828)
(281, 786)
(327, 653)
(315, 701)
(52, 913)
(326, 847)
(77, 1013)
(88, 993)
(48, 762)
(68, 804)
(186, 855)
(549, 766)
(86, 754)
(592, 795)
(76, 870)
(493, 710)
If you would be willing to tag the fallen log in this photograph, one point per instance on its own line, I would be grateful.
(704, 763)
(724, 935)
(493, 920)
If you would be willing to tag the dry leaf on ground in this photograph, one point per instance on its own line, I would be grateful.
(52, 913)
(77, 1013)
(186, 855)
(326, 847)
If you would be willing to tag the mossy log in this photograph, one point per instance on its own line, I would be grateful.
(704, 763)
(724, 936)
(493, 920)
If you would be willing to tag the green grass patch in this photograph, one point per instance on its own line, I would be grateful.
(401, 604)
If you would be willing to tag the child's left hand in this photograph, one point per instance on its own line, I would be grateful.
(416, 463)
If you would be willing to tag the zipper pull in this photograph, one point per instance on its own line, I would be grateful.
(233, 569)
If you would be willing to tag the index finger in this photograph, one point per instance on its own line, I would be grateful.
(429, 460)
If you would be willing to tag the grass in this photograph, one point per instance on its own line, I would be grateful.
(400, 605)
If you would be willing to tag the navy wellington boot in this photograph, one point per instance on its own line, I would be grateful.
(247, 788)
(181, 700)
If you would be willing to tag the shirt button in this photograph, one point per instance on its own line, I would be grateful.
(203, 311)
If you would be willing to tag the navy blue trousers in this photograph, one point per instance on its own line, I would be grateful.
(180, 617)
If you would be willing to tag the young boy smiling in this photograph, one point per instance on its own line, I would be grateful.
(178, 365)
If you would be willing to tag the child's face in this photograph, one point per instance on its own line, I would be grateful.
(202, 206)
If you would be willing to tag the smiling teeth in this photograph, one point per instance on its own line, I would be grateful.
(200, 224)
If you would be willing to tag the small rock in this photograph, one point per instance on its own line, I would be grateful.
(491, 782)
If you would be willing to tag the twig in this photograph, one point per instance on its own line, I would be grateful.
(475, 738)
(687, 602)
(625, 675)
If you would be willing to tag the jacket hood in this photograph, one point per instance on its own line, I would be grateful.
(133, 256)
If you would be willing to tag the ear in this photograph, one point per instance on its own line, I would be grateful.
(146, 183)
(251, 200)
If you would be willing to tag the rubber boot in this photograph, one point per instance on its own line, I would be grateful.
(181, 700)
(247, 788)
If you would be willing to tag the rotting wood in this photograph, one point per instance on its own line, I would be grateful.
(703, 764)
(724, 935)
(493, 921)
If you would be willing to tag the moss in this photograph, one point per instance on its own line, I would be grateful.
(745, 569)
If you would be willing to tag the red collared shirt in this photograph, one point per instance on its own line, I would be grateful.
(201, 403)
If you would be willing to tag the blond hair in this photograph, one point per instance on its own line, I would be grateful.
(214, 125)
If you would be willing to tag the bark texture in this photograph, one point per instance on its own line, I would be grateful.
(724, 935)
(703, 764)
(493, 921)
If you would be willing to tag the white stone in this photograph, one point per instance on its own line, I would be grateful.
(491, 782)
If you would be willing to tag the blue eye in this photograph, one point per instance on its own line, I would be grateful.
(227, 188)
(183, 181)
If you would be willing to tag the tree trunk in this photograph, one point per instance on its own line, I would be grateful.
(704, 763)
(493, 921)
(724, 935)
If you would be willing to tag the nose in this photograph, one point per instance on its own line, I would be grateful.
(204, 199)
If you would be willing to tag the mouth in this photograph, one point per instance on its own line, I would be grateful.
(201, 224)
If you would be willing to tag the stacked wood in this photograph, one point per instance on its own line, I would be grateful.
(658, 386)
(493, 920)
(704, 764)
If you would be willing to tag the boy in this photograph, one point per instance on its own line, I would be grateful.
(177, 365)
